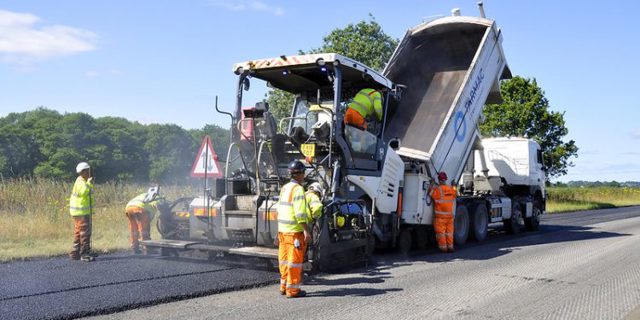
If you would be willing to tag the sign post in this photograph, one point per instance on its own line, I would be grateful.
(205, 166)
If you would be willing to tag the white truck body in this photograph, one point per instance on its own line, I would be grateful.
(517, 160)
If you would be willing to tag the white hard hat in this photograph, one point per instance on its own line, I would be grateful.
(81, 166)
(317, 187)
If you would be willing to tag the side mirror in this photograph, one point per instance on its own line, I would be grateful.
(246, 84)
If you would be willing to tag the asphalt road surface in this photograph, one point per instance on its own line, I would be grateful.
(583, 265)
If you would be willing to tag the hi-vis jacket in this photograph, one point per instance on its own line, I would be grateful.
(368, 102)
(82, 200)
(138, 202)
(292, 208)
(315, 205)
(444, 197)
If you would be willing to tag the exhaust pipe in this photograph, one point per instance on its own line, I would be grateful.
(481, 8)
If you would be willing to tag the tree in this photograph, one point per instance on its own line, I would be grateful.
(365, 42)
(525, 112)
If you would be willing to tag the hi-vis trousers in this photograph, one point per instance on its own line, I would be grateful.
(291, 259)
(139, 228)
(443, 226)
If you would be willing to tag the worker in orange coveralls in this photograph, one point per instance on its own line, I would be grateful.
(293, 232)
(444, 199)
(140, 212)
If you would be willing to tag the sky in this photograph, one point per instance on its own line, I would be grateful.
(163, 61)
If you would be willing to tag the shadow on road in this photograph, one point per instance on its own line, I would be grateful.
(353, 292)
(499, 243)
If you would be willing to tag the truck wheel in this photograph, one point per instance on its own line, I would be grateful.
(480, 223)
(514, 224)
(421, 238)
(533, 223)
(461, 225)
(404, 241)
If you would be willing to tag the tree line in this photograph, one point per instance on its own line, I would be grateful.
(44, 143)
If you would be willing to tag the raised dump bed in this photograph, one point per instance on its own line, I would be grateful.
(450, 67)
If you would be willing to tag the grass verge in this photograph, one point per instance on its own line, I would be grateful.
(35, 220)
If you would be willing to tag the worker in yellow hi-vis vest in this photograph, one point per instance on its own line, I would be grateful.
(81, 205)
(366, 105)
(293, 232)
(140, 211)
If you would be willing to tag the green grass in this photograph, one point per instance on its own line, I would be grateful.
(566, 199)
(35, 221)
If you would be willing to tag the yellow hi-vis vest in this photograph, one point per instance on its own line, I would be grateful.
(138, 202)
(292, 208)
(315, 205)
(81, 201)
(367, 102)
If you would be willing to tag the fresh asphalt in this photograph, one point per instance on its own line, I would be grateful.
(60, 288)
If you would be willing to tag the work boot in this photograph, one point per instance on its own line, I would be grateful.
(74, 256)
(283, 292)
(137, 251)
(87, 258)
(300, 294)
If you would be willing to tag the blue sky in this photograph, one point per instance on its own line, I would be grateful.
(164, 61)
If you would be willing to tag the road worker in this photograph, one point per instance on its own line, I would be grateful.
(366, 105)
(140, 211)
(444, 198)
(313, 196)
(81, 205)
(293, 232)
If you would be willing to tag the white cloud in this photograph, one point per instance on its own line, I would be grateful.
(245, 5)
(25, 39)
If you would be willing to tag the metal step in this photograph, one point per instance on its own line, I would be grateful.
(262, 252)
(166, 243)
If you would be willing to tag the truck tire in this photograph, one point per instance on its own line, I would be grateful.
(480, 223)
(533, 223)
(513, 225)
(461, 225)
(404, 241)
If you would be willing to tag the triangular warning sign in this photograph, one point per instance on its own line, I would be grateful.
(206, 162)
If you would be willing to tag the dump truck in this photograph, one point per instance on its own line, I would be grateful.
(376, 180)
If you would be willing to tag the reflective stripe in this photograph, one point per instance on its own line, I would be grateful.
(282, 263)
(444, 213)
(444, 201)
(289, 222)
(293, 286)
(298, 198)
(285, 204)
(79, 208)
(448, 234)
(283, 281)
(295, 265)
(439, 235)
(314, 202)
